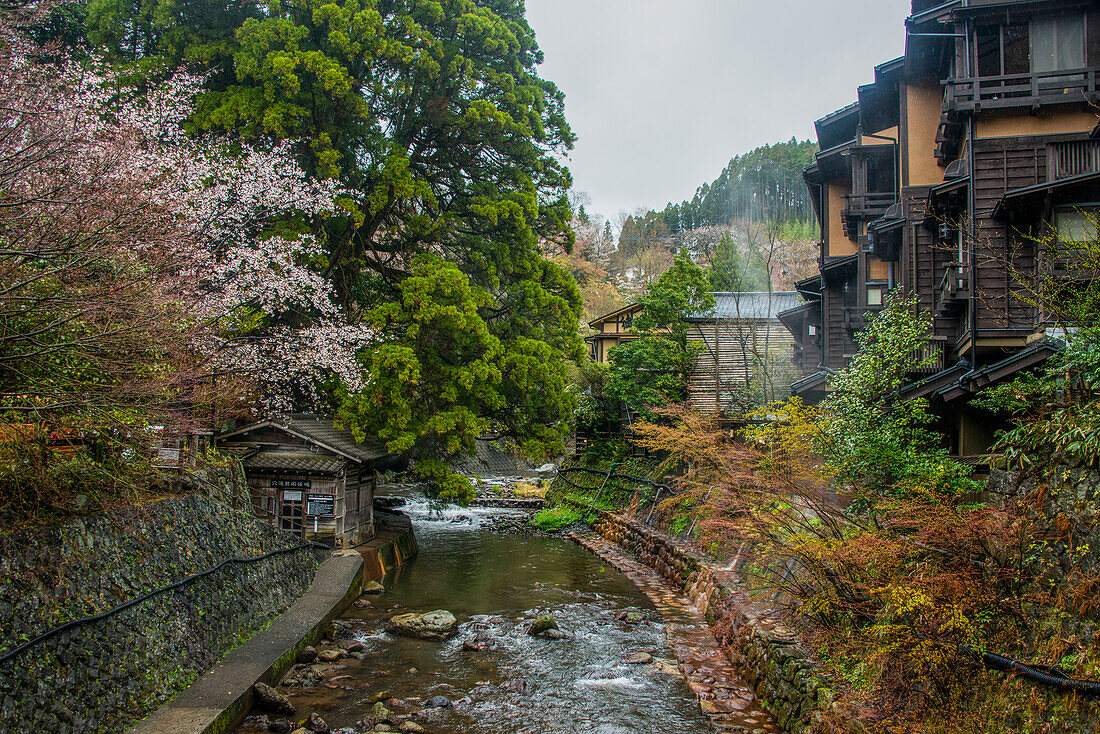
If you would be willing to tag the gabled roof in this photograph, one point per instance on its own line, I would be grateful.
(759, 306)
(809, 382)
(632, 308)
(321, 432)
(278, 460)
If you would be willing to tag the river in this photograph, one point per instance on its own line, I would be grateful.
(496, 584)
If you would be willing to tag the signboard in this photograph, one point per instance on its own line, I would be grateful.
(323, 505)
(280, 483)
(290, 495)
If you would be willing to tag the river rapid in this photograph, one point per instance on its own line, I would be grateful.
(496, 584)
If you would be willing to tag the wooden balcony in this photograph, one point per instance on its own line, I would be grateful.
(954, 287)
(1022, 90)
(864, 207)
(929, 359)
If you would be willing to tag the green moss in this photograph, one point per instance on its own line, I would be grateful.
(555, 518)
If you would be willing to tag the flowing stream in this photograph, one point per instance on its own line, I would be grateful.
(496, 584)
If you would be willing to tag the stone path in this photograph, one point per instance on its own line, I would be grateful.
(723, 696)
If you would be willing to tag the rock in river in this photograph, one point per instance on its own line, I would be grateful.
(435, 625)
(637, 658)
(271, 700)
(542, 624)
(316, 724)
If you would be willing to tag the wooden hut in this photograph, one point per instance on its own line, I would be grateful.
(309, 477)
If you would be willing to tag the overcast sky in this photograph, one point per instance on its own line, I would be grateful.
(662, 93)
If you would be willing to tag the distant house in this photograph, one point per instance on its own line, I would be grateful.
(746, 355)
(745, 352)
(612, 330)
(309, 477)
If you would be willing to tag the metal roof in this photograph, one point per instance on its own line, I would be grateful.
(749, 305)
(278, 460)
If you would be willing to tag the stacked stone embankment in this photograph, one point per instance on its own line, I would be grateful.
(100, 676)
(785, 676)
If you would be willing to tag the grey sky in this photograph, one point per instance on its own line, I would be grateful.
(662, 93)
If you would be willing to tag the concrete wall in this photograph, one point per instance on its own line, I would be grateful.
(101, 676)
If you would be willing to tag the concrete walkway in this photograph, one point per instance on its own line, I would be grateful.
(727, 700)
(218, 700)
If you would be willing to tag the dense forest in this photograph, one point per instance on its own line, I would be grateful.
(763, 185)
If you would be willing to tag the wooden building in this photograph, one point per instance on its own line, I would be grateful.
(612, 330)
(308, 477)
(980, 137)
(744, 354)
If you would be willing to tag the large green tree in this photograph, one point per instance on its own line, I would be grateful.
(432, 116)
(652, 371)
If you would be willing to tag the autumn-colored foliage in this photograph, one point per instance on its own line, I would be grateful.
(887, 556)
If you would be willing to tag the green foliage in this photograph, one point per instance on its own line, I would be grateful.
(763, 185)
(1056, 409)
(732, 271)
(873, 442)
(432, 116)
(555, 518)
(652, 370)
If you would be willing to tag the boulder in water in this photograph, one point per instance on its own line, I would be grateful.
(271, 700)
(542, 624)
(316, 724)
(435, 625)
(381, 713)
(637, 658)
(373, 587)
(410, 726)
(438, 702)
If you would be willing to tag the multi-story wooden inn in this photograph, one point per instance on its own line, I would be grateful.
(981, 137)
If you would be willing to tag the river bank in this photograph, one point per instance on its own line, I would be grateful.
(494, 676)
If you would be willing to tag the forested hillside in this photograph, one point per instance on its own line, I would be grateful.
(763, 185)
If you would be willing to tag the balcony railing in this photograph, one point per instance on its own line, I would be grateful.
(1022, 90)
(954, 287)
(929, 359)
(1073, 158)
(862, 207)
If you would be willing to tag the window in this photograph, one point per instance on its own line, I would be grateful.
(874, 295)
(1003, 49)
(1045, 44)
(1077, 224)
(1058, 43)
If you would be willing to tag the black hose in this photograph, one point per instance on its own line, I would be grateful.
(155, 592)
(1052, 677)
(611, 475)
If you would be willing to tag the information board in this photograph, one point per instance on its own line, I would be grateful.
(321, 505)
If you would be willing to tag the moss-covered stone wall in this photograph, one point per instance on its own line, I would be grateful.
(100, 676)
(785, 676)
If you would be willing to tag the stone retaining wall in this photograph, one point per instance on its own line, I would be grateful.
(784, 674)
(103, 675)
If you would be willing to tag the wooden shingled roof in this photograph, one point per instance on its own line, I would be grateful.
(319, 431)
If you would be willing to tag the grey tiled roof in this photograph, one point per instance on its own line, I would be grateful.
(749, 305)
(293, 462)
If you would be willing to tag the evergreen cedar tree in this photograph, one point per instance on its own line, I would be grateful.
(432, 118)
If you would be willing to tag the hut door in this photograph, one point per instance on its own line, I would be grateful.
(292, 512)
